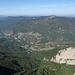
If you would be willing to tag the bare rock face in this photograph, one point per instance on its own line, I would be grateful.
(8, 33)
(65, 56)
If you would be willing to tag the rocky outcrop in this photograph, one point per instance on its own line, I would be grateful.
(65, 56)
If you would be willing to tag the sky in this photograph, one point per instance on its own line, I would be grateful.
(37, 7)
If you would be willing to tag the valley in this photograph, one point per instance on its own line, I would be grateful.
(43, 45)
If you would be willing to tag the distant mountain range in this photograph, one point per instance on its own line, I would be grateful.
(53, 28)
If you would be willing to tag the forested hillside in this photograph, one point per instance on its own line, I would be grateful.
(27, 45)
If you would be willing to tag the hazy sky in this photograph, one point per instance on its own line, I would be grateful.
(37, 7)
